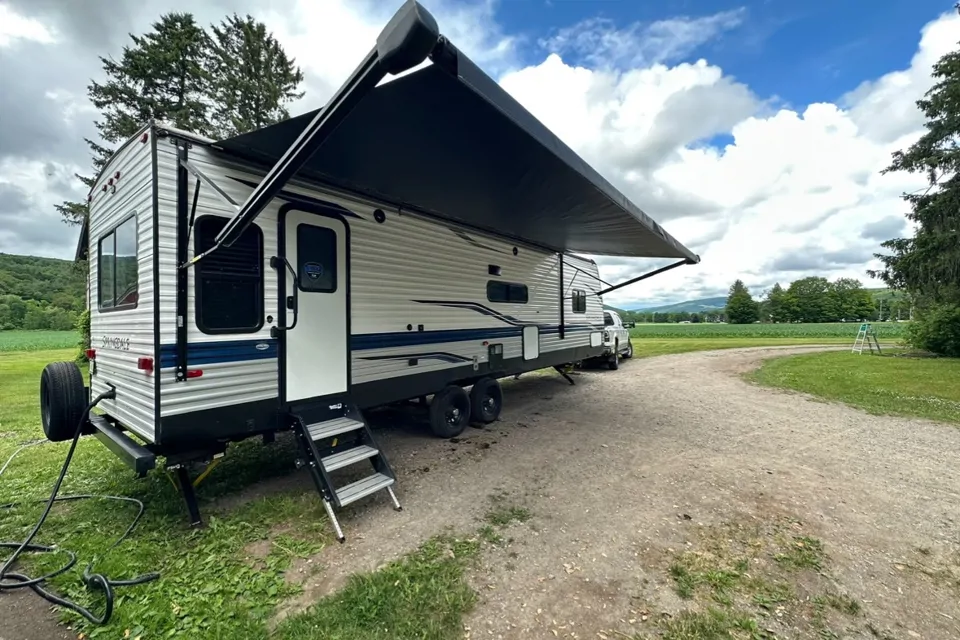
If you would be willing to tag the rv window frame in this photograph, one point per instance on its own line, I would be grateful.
(579, 301)
(197, 290)
(112, 233)
(509, 287)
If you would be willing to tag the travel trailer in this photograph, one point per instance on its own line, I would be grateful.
(417, 237)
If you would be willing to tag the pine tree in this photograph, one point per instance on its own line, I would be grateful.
(741, 307)
(159, 77)
(928, 264)
(252, 78)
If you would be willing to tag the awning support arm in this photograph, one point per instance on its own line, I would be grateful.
(405, 42)
(646, 275)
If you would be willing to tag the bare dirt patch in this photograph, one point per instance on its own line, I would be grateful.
(623, 473)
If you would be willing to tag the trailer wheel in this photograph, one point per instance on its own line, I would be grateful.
(62, 400)
(629, 352)
(449, 412)
(486, 401)
(614, 362)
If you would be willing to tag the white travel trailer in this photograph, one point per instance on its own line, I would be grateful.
(413, 238)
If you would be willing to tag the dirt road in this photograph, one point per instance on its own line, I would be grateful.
(627, 468)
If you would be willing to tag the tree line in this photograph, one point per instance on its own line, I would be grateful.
(812, 299)
(40, 293)
(222, 81)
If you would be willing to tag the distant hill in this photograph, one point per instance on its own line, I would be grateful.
(690, 306)
(39, 293)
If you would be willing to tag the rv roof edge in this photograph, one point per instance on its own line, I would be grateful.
(406, 41)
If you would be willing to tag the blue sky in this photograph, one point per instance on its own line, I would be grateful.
(760, 159)
(802, 52)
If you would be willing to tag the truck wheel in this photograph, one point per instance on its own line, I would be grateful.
(62, 400)
(486, 401)
(629, 352)
(449, 412)
(614, 362)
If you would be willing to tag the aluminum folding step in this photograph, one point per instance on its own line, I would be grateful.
(362, 488)
(322, 456)
(348, 457)
(321, 430)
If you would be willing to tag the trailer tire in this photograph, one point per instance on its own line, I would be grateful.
(62, 400)
(614, 362)
(449, 412)
(486, 401)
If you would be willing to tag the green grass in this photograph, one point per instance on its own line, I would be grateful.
(222, 581)
(750, 579)
(38, 340)
(847, 331)
(712, 624)
(803, 552)
(422, 596)
(894, 385)
(649, 347)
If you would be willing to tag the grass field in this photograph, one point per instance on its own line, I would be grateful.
(842, 331)
(37, 340)
(895, 385)
(212, 584)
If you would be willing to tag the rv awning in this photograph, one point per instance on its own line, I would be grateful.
(447, 141)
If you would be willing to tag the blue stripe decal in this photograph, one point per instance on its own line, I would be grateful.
(201, 353)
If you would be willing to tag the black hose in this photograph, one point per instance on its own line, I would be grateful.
(10, 580)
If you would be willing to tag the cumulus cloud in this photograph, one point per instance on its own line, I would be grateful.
(791, 192)
(796, 192)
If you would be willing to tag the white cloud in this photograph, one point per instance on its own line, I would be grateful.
(329, 37)
(599, 43)
(792, 182)
(795, 188)
(14, 27)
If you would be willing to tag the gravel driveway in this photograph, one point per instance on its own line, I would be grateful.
(622, 469)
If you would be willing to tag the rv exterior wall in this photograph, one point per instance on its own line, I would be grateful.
(228, 380)
(121, 320)
(409, 275)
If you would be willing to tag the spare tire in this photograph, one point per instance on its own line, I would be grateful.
(63, 399)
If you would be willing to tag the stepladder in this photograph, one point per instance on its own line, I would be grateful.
(866, 336)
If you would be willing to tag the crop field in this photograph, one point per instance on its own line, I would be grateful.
(829, 331)
(37, 340)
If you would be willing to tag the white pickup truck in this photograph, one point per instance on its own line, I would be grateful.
(616, 340)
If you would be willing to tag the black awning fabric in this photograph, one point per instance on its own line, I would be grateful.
(457, 146)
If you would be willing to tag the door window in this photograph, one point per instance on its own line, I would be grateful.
(316, 258)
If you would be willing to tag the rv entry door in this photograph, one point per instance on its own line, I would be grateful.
(315, 349)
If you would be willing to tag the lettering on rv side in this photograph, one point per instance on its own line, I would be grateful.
(115, 342)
